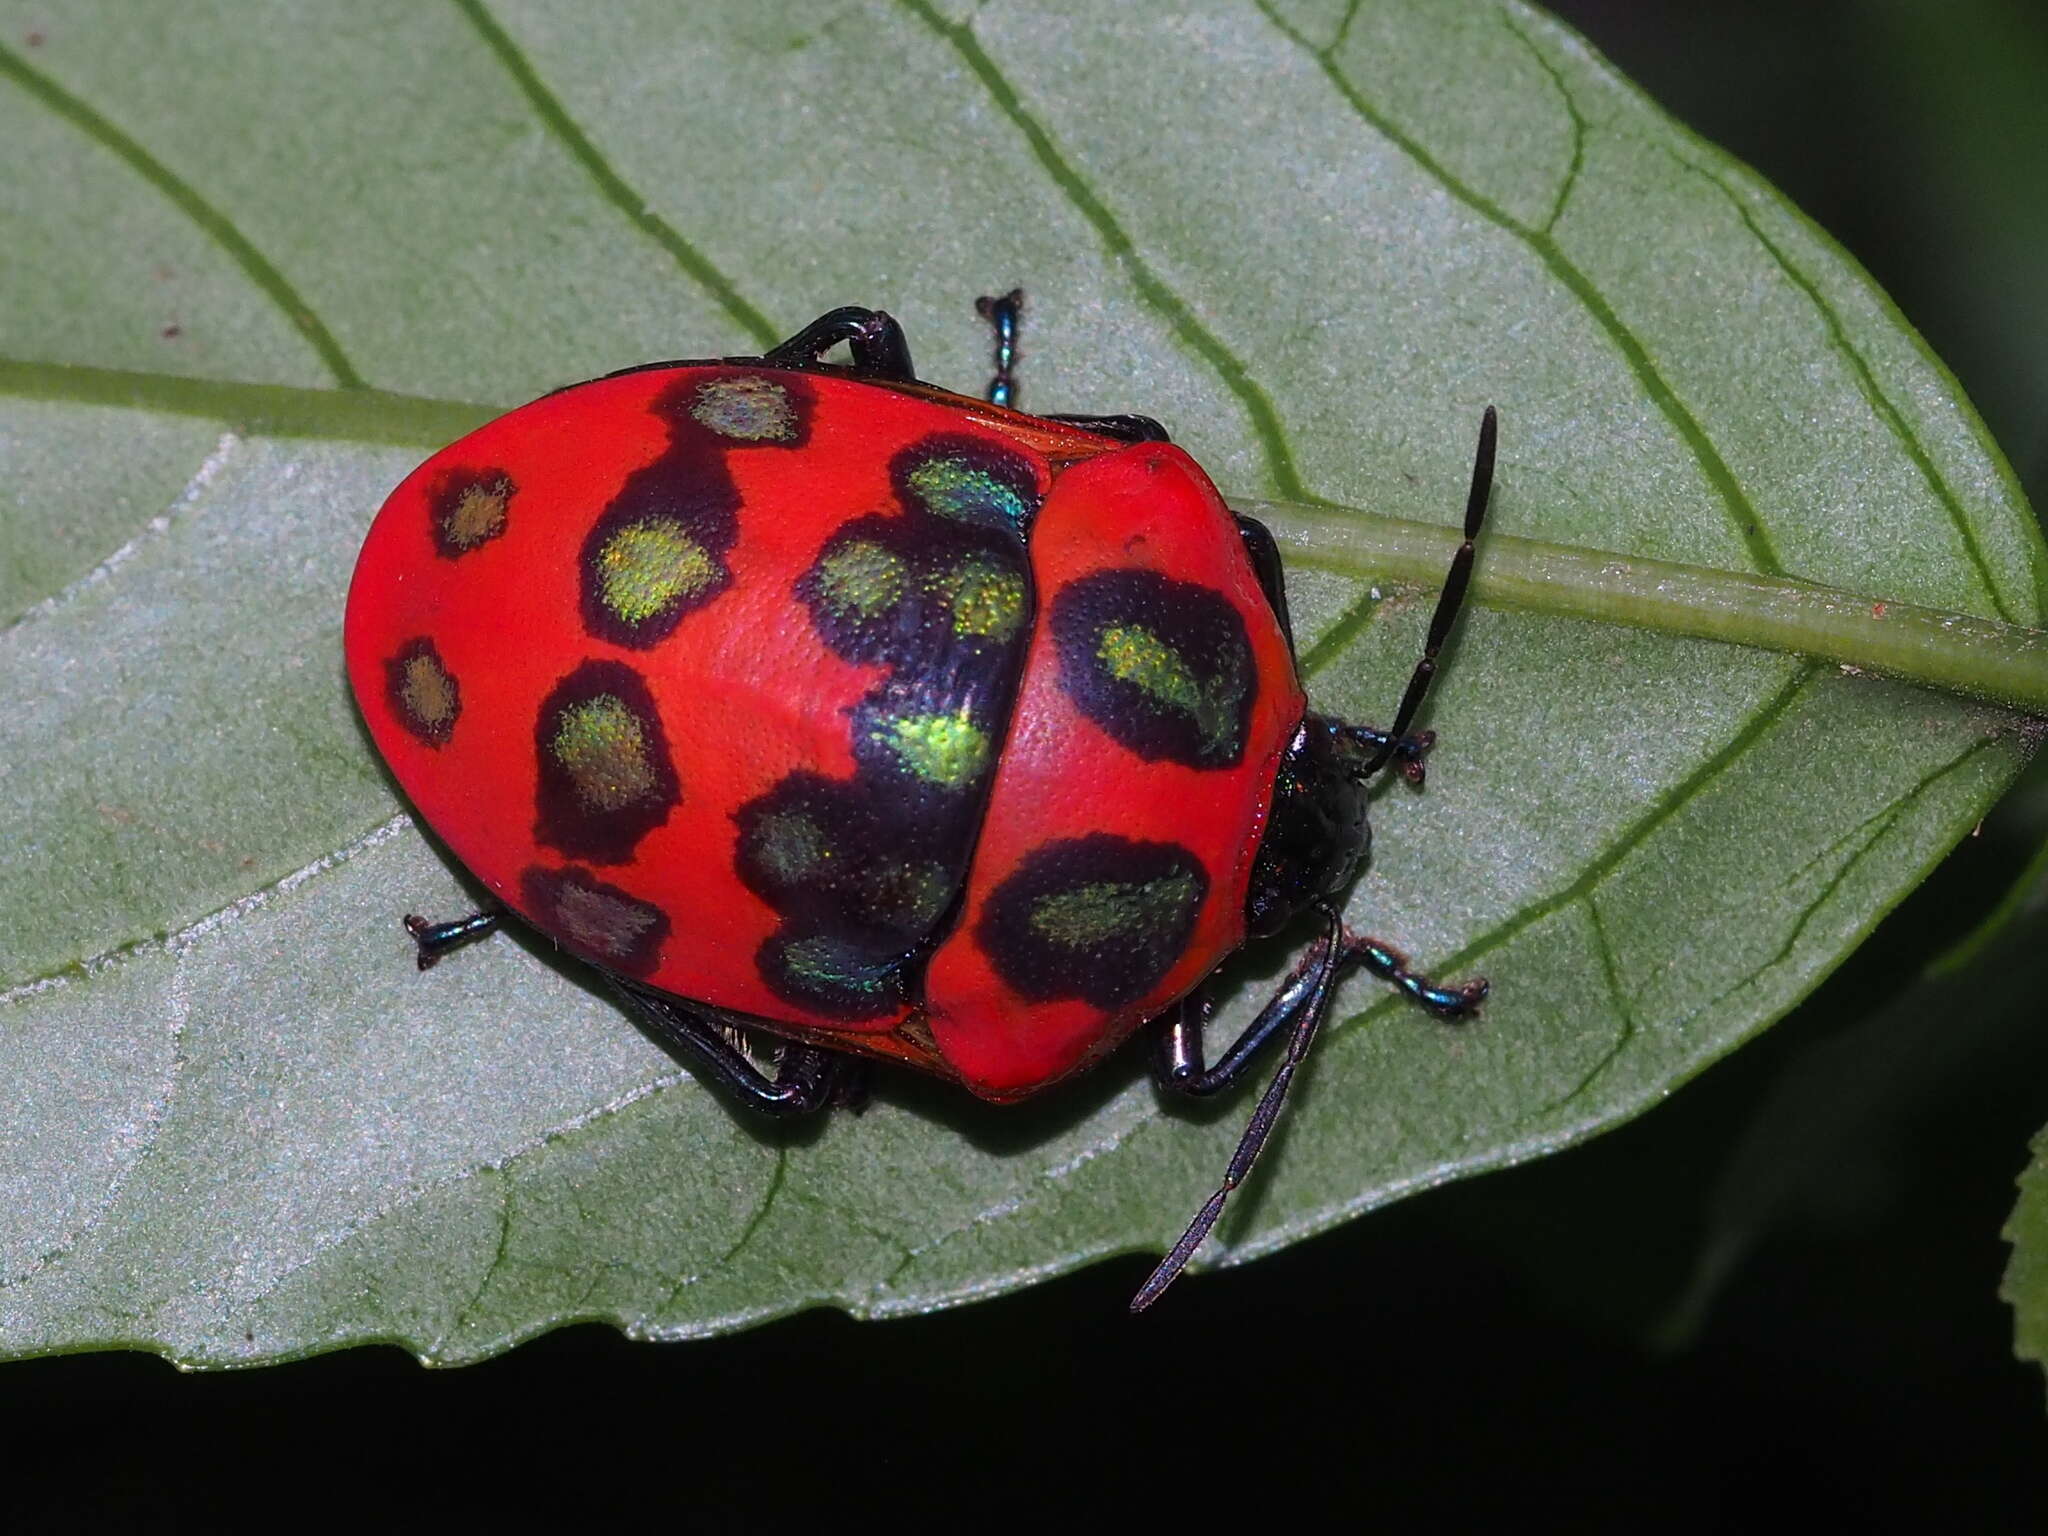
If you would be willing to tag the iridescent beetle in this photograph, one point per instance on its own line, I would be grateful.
(896, 724)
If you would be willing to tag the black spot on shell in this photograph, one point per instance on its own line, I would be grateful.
(926, 749)
(833, 975)
(863, 591)
(740, 408)
(753, 408)
(657, 552)
(968, 480)
(607, 778)
(1099, 918)
(422, 692)
(828, 856)
(922, 595)
(598, 921)
(1163, 666)
(864, 872)
(468, 507)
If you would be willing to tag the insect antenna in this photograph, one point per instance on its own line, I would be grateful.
(1326, 965)
(1396, 741)
(1308, 998)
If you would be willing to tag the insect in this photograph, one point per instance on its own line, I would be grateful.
(816, 700)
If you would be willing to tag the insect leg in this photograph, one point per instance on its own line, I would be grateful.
(1300, 1005)
(807, 1078)
(1387, 963)
(1003, 313)
(1178, 1061)
(875, 339)
(1405, 752)
(436, 939)
(1124, 428)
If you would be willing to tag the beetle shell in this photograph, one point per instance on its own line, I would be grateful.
(877, 716)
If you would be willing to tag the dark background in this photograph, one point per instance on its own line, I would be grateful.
(1774, 1297)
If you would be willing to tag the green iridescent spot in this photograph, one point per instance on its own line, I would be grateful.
(1114, 910)
(860, 579)
(602, 746)
(948, 750)
(957, 488)
(746, 409)
(1137, 656)
(986, 598)
(789, 846)
(828, 963)
(649, 566)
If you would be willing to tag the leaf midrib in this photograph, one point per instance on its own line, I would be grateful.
(422, 420)
(387, 419)
(1742, 516)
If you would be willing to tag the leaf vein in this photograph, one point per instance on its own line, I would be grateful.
(175, 944)
(1806, 916)
(1742, 516)
(501, 1163)
(1571, 107)
(155, 1115)
(155, 528)
(1958, 653)
(1610, 970)
(1117, 241)
(1666, 807)
(1026, 1198)
(257, 267)
(506, 1196)
(356, 415)
(1873, 394)
(1884, 824)
(616, 190)
(1331, 643)
(754, 1222)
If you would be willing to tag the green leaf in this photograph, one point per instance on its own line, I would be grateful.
(2009, 944)
(260, 260)
(2025, 1286)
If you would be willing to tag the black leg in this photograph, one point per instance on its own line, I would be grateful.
(1447, 1002)
(436, 939)
(875, 339)
(1301, 1004)
(1404, 752)
(1125, 429)
(1179, 1063)
(1002, 312)
(1265, 558)
(807, 1079)
(1005, 314)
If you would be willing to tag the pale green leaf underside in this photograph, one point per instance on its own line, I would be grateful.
(2025, 1286)
(1314, 240)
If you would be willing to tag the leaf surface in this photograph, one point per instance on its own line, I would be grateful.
(261, 261)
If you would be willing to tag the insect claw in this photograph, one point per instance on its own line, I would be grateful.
(417, 926)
